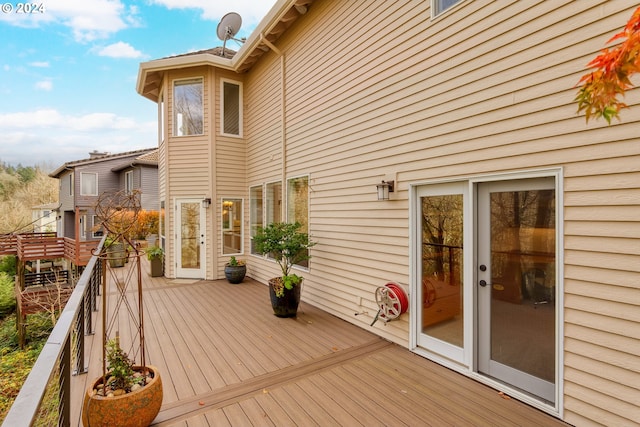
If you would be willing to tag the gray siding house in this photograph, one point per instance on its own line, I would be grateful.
(82, 182)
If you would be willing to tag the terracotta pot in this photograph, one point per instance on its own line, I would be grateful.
(136, 409)
(286, 305)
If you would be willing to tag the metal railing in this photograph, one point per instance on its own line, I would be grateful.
(62, 355)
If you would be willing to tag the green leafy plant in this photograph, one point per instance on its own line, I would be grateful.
(287, 246)
(121, 373)
(155, 252)
(7, 295)
(233, 262)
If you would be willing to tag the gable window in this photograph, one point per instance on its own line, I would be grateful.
(231, 108)
(188, 117)
(439, 6)
(128, 182)
(88, 184)
(232, 226)
(298, 205)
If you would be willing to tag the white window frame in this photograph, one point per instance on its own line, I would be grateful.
(437, 9)
(240, 108)
(128, 182)
(175, 124)
(230, 227)
(82, 192)
(95, 233)
(71, 184)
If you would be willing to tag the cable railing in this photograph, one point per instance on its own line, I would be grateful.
(44, 398)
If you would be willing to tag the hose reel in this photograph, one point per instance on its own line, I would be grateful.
(391, 301)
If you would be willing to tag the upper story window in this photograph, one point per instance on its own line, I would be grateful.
(188, 117)
(440, 6)
(88, 184)
(231, 108)
(128, 182)
(70, 183)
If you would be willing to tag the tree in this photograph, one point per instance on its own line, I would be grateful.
(600, 89)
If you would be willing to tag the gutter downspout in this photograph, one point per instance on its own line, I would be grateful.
(283, 118)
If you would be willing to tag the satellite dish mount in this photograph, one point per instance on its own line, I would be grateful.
(228, 27)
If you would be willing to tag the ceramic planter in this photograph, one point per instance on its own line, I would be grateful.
(136, 409)
(156, 266)
(286, 305)
(235, 273)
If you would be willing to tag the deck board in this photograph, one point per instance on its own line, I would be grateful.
(226, 360)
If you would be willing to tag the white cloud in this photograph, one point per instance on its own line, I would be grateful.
(49, 136)
(46, 85)
(88, 20)
(251, 11)
(39, 64)
(119, 50)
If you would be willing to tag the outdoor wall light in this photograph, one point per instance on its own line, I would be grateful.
(384, 188)
(206, 203)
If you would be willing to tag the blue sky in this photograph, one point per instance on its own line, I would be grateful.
(68, 71)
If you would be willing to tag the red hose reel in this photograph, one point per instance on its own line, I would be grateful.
(392, 302)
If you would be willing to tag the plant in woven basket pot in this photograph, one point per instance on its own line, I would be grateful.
(288, 246)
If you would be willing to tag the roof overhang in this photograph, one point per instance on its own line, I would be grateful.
(272, 26)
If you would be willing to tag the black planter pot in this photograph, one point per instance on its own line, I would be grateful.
(235, 274)
(286, 305)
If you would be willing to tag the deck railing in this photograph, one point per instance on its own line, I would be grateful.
(34, 246)
(61, 357)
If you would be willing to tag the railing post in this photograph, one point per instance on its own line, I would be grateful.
(64, 416)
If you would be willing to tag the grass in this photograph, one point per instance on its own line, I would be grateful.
(15, 364)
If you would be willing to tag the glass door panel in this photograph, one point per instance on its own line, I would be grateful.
(440, 291)
(516, 293)
(190, 243)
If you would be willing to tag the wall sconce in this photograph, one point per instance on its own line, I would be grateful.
(384, 188)
(206, 203)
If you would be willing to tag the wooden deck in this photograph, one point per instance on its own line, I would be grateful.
(226, 360)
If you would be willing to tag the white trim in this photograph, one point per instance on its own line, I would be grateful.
(174, 119)
(222, 229)
(468, 366)
(240, 108)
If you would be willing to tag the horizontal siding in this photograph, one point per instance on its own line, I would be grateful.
(378, 89)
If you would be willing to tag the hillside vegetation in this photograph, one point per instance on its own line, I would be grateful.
(21, 188)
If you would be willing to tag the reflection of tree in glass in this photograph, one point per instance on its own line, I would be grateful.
(190, 235)
(188, 98)
(442, 236)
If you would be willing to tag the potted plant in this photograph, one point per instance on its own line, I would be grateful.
(235, 270)
(129, 406)
(155, 255)
(287, 246)
(128, 395)
(116, 253)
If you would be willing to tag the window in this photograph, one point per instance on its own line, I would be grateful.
(231, 108)
(273, 200)
(71, 184)
(255, 209)
(96, 228)
(231, 226)
(298, 205)
(88, 184)
(440, 6)
(188, 116)
(83, 227)
(128, 182)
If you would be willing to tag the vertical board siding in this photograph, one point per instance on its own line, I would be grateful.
(379, 88)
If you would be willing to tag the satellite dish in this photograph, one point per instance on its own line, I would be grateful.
(228, 27)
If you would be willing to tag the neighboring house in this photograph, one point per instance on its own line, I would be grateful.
(513, 225)
(83, 181)
(44, 217)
